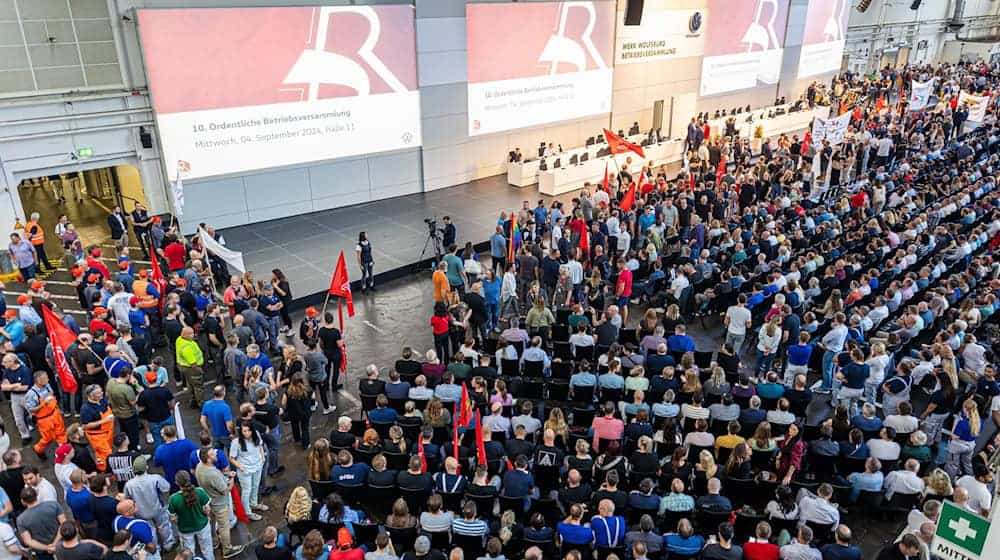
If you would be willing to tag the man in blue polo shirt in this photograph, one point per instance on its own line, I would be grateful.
(17, 379)
(174, 455)
(217, 417)
(680, 341)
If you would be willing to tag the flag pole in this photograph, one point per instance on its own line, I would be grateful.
(325, 302)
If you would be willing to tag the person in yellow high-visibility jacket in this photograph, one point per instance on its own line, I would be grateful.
(190, 360)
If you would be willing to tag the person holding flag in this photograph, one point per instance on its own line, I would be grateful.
(330, 337)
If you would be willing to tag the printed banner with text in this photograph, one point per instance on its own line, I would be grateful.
(236, 89)
(663, 34)
(537, 63)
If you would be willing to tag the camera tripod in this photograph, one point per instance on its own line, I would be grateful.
(433, 240)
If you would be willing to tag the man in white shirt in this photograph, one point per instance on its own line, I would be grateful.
(973, 357)
(45, 490)
(884, 448)
(980, 497)
(904, 422)
(738, 319)
(817, 508)
(678, 284)
(905, 481)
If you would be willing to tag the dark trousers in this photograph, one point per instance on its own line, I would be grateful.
(498, 263)
(333, 369)
(323, 388)
(441, 342)
(300, 430)
(131, 428)
(43, 259)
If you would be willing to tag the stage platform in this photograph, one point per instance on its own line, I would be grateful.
(305, 247)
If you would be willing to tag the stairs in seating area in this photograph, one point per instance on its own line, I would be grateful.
(59, 283)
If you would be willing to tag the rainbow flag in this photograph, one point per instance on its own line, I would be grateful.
(515, 233)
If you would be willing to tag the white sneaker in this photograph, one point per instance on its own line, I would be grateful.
(329, 410)
(261, 507)
(149, 438)
(254, 516)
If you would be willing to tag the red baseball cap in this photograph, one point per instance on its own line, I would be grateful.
(37, 285)
(311, 311)
(62, 451)
(23, 299)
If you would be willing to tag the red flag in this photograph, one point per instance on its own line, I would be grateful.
(480, 445)
(340, 286)
(464, 407)
(604, 183)
(691, 182)
(420, 451)
(61, 337)
(619, 145)
(806, 141)
(629, 200)
(721, 170)
(880, 105)
(238, 511)
(158, 280)
(585, 245)
(510, 466)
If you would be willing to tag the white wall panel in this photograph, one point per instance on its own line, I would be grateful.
(441, 34)
(445, 67)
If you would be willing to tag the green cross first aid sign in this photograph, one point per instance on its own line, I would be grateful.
(960, 534)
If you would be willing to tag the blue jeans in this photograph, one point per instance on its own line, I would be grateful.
(273, 326)
(763, 362)
(492, 314)
(249, 486)
(155, 427)
(273, 439)
(828, 358)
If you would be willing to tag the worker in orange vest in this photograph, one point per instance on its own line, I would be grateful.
(34, 232)
(48, 418)
(98, 424)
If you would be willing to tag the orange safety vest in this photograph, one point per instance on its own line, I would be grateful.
(37, 238)
(141, 291)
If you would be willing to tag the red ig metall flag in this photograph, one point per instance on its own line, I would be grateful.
(61, 337)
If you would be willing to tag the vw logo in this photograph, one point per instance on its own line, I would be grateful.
(694, 24)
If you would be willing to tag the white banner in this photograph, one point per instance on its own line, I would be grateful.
(523, 102)
(920, 94)
(975, 104)
(831, 130)
(232, 258)
(664, 34)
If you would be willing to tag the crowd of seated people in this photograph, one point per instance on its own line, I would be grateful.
(855, 378)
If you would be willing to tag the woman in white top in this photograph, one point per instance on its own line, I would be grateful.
(768, 339)
(877, 363)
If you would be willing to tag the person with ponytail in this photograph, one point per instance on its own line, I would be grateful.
(963, 440)
(189, 510)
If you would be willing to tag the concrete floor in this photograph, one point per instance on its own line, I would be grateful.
(396, 316)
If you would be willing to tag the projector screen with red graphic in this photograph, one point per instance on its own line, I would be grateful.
(236, 89)
(824, 38)
(744, 44)
(537, 63)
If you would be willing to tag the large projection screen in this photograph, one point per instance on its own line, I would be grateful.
(824, 38)
(745, 44)
(238, 89)
(537, 63)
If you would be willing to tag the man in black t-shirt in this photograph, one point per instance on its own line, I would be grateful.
(268, 548)
(121, 459)
(156, 404)
(172, 327)
(268, 415)
(412, 479)
(329, 342)
(477, 311)
(216, 339)
(12, 478)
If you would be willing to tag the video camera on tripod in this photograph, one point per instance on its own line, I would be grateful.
(434, 239)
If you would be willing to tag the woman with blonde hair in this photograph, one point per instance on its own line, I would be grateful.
(938, 483)
(762, 440)
(768, 339)
(395, 443)
(963, 439)
(299, 506)
(637, 380)
(877, 362)
(319, 460)
(557, 423)
(400, 517)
